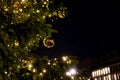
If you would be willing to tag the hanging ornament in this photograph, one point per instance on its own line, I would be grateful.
(49, 43)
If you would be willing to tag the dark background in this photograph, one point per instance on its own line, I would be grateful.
(90, 29)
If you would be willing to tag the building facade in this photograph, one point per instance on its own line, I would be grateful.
(106, 67)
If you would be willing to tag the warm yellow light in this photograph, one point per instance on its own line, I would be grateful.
(16, 43)
(54, 64)
(6, 9)
(45, 2)
(44, 70)
(55, 59)
(8, 45)
(23, 0)
(37, 11)
(41, 74)
(18, 66)
(64, 58)
(5, 72)
(61, 77)
(49, 15)
(88, 79)
(30, 66)
(72, 77)
(80, 78)
(34, 70)
(20, 10)
(43, 17)
(69, 62)
(48, 63)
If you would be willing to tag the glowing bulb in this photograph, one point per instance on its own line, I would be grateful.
(68, 73)
(69, 62)
(49, 15)
(23, 0)
(55, 59)
(44, 70)
(20, 10)
(30, 66)
(43, 17)
(5, 72)
(41, 74)
(54, 64)
(6, 9)
(37, 11)
(64, 58)
(48, 63)
(72, 77)
(73, 71)
(45, 2)
(16, 43)
(34, 70)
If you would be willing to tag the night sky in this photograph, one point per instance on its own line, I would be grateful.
(90, 29)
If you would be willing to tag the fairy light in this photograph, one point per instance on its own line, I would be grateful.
(20, 10)
(30, 66)
(69, 62)
(6, 9)
(45, 3)
(49, 63)
(5, 72)
(23, 0)
(54, 64)
(65, 58)
(44, 70)
(34, 70)
(41, 74)
(38, 11)
(16, 43)
(49, 15)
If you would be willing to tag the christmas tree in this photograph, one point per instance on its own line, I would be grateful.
(23, 24)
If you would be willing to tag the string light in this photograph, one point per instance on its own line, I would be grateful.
(34, 70)
(37, 11)
(44, 70)
(30, 66)
(49, 63)
(65, 58)
(41, 74)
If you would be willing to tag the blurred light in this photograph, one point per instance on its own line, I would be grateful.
(5, 72)
(44, 70)
(30, 66)
(72, 77)
(48, 63)
(41, 74)
(34, 70)
(69, 62)
(64, 58)
(68, 73)
(71, 72)
(23, 0)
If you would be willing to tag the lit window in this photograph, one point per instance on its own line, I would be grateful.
(115, 77)
(93, 74)
(99, 72)
(109, 77)
(108, 68)
(104, 78)
(95, 78)
(104, 71)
